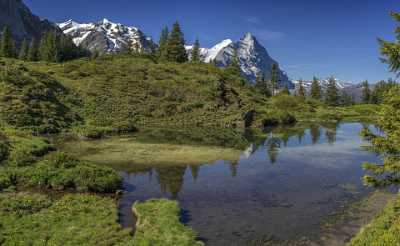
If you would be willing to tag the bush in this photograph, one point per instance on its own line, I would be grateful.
(23, 203)
(61, 172)
(25, 151)
(4, 150)
(5, 180)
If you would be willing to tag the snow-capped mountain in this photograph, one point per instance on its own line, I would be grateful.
(253, 57)
(340, 84)
(106, 36)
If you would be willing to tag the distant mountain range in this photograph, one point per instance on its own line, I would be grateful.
(108, 37)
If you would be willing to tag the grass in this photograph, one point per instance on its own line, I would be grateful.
(158, 224)
(131, 151)
(384, 230)
(33, 219)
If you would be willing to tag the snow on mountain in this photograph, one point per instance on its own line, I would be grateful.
(253, 58)
(340, 84)
(106, 36)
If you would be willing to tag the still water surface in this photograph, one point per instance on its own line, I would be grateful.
(286, 186)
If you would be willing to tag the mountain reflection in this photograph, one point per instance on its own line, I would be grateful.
(171, 178)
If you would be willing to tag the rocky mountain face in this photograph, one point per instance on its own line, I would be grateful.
(253, 58)
(23, 24)
(106, 36)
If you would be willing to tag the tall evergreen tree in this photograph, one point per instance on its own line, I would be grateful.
(234, 66)
(24, 50)
(33, 51)
(7, 45)
(196, 51)
(301, 92)
(161, 52)
(176, 51)
(332, 93)
(262, 84)
(49, 47)
(316, 92)
(274, 78)
(388, 144)
(366, 92)
(391, 50)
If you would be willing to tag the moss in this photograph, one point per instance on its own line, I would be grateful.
(158, 224)
(384, 230)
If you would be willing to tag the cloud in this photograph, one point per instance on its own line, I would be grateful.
(266, 34)
(253, 20)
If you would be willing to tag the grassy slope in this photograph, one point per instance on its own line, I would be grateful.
(384, 230)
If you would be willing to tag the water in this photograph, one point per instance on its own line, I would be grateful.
(285, 185)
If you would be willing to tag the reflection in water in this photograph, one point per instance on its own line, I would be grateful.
(171, 179)
(306, 179)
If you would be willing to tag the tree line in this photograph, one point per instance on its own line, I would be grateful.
(53, 47)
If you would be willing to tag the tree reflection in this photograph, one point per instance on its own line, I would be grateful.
(171, 179)
(194, 169)
(331, 132)
(273, 144)
(315, 133)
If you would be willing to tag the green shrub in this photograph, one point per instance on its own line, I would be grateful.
(5, 179)
(23, 203)
(25, 151)
(4, 150)
(61, 172)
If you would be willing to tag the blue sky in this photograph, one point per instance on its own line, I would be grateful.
(310, 37)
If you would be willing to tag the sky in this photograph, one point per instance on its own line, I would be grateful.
(308, 38)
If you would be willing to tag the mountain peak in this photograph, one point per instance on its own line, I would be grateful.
(105, 36)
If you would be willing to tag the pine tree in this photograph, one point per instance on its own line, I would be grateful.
(161, 52)
(301, 93)
(7, 45)
(33, 51)
(262, 84)
(196, 51)
(234, 66)
(366, 93)
(274, 78)
(24, 50)
(332, 93)
(388, 144)
(176, 51)
(315, 89)
(346, 99)
(285, 91)
(49, 48)
(391, 50)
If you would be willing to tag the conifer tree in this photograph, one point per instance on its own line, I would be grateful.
(7, 45)
(388, 144)
(332, 93)
(262, 84)
(176, 51)
(274, 78)
(49, 48)
(162, 44)
(315, 92)
(301, 93)
(234, 66)
(24, 50)
(366, 93)
(33, 51)
(196, 51)
(391, 50)
(285, 91)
